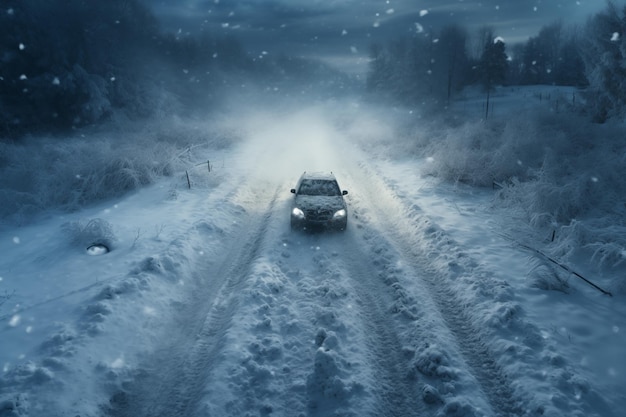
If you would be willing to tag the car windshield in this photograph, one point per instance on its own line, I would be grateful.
(319, 187)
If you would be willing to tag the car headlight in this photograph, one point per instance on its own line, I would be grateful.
(339, 214)
(296, 212)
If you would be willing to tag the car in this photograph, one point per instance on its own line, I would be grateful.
(318, 203)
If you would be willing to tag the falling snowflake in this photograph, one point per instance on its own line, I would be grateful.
(15, 320)
(423, 13)
(615, 37)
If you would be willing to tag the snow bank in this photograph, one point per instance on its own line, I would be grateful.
(550, 165)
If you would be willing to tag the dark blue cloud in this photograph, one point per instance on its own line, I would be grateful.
(336, 28)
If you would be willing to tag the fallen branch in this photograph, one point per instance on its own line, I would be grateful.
(563, 266)
(6, 297)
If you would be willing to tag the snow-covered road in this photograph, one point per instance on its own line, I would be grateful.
(227, 312)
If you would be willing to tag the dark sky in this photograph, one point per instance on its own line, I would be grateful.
(339, 31)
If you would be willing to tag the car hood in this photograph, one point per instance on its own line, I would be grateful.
(307, 202)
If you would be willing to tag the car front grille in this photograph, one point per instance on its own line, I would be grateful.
(319, 215)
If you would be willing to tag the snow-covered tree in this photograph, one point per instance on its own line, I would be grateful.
(553, 57)
(605, 63)
(420, 68)
(570, 69)
(451, 59)
(493, 63)
(401, 69)
(69, 63)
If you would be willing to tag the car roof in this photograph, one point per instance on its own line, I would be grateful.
(318, 175)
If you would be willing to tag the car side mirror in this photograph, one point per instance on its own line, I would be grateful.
(344, 192)
(293, 191)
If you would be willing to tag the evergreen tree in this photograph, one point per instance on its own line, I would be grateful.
(493, 67)
(493, 64)
(605, 63)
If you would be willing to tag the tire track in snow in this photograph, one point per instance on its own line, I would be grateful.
(480, 361)
(172, 380)
(373, 331)
(397, 394)
(265, 362)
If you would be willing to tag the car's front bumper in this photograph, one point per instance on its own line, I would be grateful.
(318, 225)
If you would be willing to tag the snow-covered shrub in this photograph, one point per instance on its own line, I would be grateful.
(480, 153)
(545, 276)
(578, 191)
(605, 239)
(95, 104)
(45, 173)
(561, 173)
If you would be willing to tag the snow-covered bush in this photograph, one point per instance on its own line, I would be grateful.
(479, 152)
(605, 239)
(577, 191)
(561, 173)
(51, 173)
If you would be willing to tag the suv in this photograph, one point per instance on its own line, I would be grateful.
(318, 203)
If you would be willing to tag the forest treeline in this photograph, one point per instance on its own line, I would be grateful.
(70, 63)
(433, 66)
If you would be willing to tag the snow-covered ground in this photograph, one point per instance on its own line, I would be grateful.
(209, 305)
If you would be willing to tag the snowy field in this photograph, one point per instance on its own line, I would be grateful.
(209, 305)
